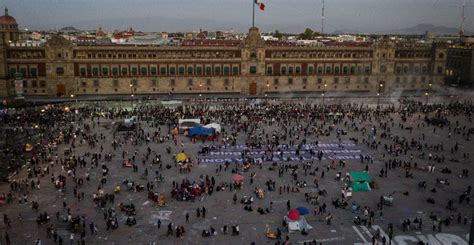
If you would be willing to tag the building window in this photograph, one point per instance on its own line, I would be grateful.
(95, 71)
(96, 83)
(105, 71)
(153, 83)
(82, 71)
(336, 80)
(172, 71)
(290, 70)
(328, 70)
(417, 70)
(124, 71)
(336, 70)
(190, 82)
(353, 69)
(283, 70)
(42, 83)
(397, 80)
(208, 82)
(134, 71)
(25, 83)
(305, 80)
(319, 80)
(190, 70)
(226, 81)
(423, 79)
(320, 70)
(12, 72)
(276, 81)
(298, 70)
(83, 83)
(440, 70)
(59, 70)
(290, 80)
(226, 70)
(181, 70)
(398, 70)
(235, 70)
(405, 70)
(310, 69)
(367, 69)
(153, 71)
(208, 71)
(144, 71)
(345, 70)
(217, 70)
(34, 83)
(269, 70)
(115, 83)
(172, 82)
(424, 69)
(253, 69)
(33, 72)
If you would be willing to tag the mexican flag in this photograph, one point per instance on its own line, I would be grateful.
(260, 4)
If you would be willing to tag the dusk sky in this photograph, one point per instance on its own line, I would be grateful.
(284, 15)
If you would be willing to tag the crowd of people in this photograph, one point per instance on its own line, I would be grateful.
(75, 150)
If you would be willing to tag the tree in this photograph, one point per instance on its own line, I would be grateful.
(277, 34)
(307, 34)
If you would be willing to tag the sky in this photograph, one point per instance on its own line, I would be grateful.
(283, 15)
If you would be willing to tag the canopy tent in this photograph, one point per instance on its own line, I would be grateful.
(293, 214)
(297, 225)
(200, 130)
(217, 127)
(181, 157)
(302, 210)
(360, 186)
(188, 123)
(360, 177)
(238, 178)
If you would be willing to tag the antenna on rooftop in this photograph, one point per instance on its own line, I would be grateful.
(322, 19)
(463, 18)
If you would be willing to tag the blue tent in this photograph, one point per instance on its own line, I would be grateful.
(200, 130)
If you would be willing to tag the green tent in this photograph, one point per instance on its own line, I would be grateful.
(360, 177)
(360, 186)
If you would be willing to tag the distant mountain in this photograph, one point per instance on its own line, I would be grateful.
(68, 29)
(422, 28)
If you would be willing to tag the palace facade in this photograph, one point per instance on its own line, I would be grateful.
(248, 67)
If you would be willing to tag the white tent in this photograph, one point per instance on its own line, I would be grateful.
(215, 126)
(297, 225)
(188, 123)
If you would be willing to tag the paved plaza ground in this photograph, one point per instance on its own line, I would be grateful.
(409, 201)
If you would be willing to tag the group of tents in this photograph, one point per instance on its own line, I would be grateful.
(194, 129)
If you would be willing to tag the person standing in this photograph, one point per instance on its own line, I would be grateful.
(187, 217)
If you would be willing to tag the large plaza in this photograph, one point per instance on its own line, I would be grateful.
(298, 153)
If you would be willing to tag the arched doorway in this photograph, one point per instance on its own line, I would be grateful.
(253, 88)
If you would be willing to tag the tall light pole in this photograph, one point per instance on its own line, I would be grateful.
(379, 91)
(131, 96)
(427, 94)
(324, 92)
(200, 91)
(268, 88)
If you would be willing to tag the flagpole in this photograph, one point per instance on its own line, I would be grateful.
(253, 13)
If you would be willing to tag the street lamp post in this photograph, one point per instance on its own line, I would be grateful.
(200, 91)
(427, 94)
(379, 91)
(131, 96)
(324, 92)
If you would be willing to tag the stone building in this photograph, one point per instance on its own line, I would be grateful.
(248, 67)
(460, 66)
